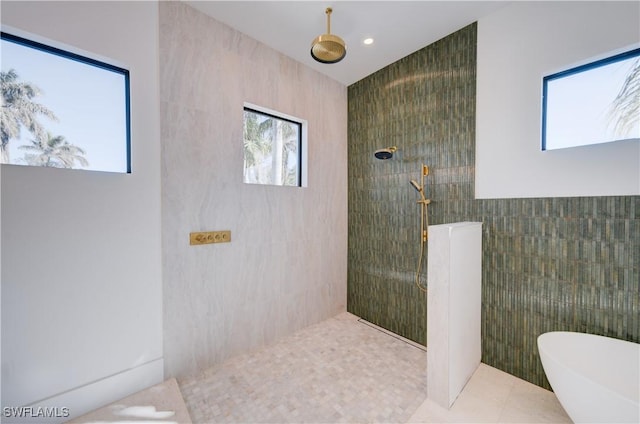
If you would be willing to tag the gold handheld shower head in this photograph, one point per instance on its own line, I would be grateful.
(420, 189)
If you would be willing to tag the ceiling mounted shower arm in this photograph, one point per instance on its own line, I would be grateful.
(328, 48)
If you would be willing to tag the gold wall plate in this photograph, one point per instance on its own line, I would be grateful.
(209, 237)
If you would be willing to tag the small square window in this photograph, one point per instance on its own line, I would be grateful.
(272, 148)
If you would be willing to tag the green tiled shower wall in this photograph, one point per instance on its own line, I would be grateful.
(548, 264)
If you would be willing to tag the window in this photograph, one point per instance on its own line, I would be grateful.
(594, 103)
(61, 109)
(273, 145)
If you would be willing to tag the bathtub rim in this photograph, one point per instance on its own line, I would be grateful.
(621, 397)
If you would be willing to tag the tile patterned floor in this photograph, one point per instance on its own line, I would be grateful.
(344, 370)
(338, 371)
(493, 396)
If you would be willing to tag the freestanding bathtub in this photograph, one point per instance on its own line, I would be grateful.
(596, 378)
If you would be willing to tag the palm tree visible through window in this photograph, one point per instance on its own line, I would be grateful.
(19, 109)
(62, 109)
(271, 147)
(625, 109)
(55, 152)
(596, 102)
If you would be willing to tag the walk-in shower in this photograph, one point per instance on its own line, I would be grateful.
(424, 221)
(387, 153)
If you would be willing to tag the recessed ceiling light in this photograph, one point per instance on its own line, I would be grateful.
(368, 41)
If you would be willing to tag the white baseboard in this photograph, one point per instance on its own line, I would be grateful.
(79, 401)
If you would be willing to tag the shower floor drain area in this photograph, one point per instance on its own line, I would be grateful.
(394, 335)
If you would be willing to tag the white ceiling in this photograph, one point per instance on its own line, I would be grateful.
(398, 27)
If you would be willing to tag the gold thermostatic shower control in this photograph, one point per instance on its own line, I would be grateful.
(210, 237)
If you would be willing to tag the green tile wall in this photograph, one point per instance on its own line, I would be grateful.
(548, 264)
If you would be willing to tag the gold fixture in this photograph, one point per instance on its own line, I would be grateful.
(209, 237)
(328, 48)
(386, 153)
(424, 221)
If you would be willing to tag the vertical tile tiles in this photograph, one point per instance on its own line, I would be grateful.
(548, 263)
(424, 104)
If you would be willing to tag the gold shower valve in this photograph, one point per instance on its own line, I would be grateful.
(209, 237)
(425, 170)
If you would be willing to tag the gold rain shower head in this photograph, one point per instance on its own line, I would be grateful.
(328, 48)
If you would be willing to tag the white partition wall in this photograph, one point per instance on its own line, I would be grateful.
(453, 308)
